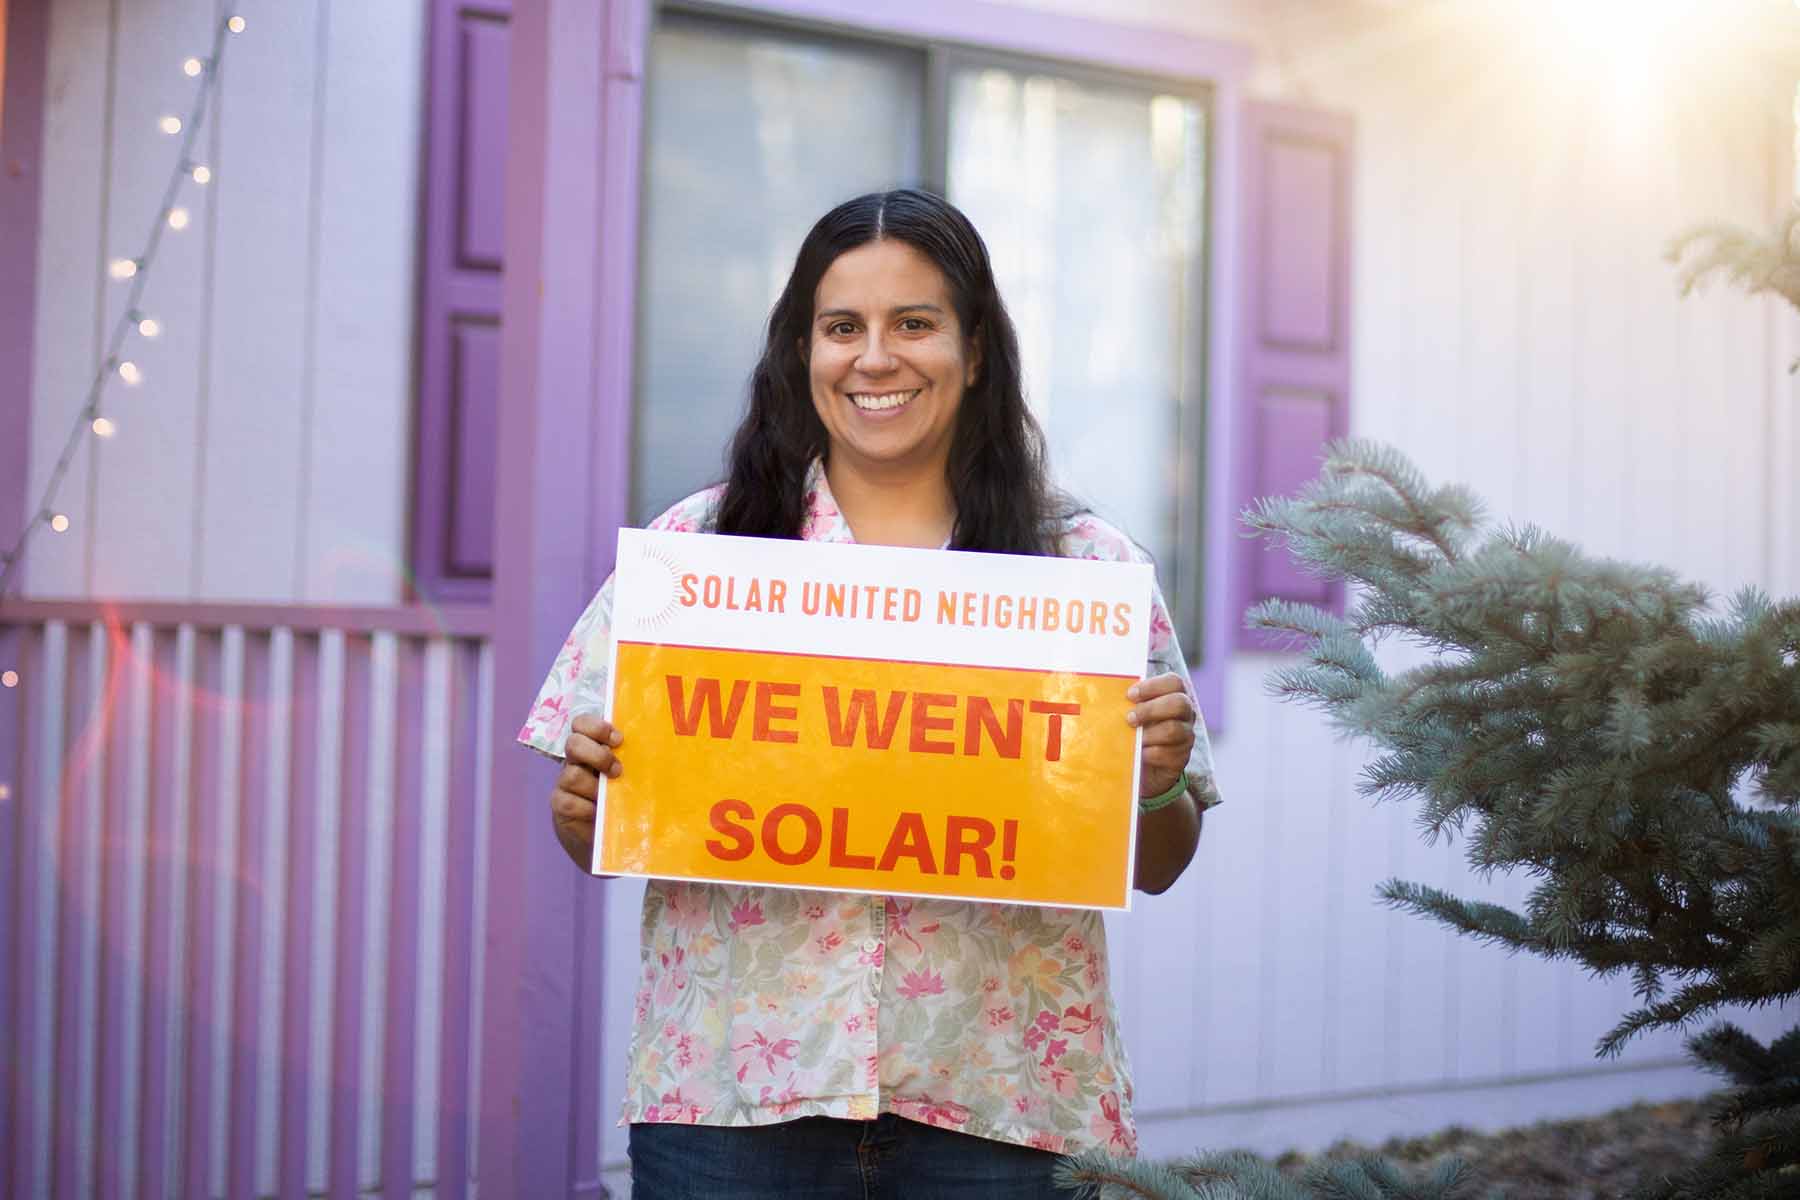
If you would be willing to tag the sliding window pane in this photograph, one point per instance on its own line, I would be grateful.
(751, 136)
(1089, 195)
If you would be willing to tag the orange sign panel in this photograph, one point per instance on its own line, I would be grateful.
(764, 763)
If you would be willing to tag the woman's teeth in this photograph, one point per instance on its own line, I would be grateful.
(879, 401)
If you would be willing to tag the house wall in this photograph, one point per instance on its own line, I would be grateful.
(265, 455)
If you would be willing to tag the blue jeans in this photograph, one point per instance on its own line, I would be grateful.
(823, 1158)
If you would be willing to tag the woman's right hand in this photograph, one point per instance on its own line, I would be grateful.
(591, 752)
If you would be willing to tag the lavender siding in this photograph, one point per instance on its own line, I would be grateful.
(1292, 389)
(459, 303)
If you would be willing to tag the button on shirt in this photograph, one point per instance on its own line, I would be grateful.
(757, 1005)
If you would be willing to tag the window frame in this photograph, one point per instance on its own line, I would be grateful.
(1187, 581)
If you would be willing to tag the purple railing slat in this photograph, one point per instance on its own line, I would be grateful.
(297, 929)
(203, 833)
(109, 845)
(403, 932)
(346, 1051)
(26, 864)
(445, 620)
(454, 1045)
(166, 867)
(41, 703)
(76, 861)
(247, 949)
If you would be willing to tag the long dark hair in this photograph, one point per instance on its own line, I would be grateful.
(998, 477)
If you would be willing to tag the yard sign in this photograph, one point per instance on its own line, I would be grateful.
(874, 719)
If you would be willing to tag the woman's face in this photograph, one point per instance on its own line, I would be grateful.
(887, 359)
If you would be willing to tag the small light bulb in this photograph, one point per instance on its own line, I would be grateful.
(9, 679)
(5, 792)
(60, 523)
(202, 174)
(235, 24)
(104, 427)
(123, 268)
(128, 371)
(178, 218)
(170, 124)
(192, 67)
(148, 327)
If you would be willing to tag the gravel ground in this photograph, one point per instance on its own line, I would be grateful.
(1588, 1159)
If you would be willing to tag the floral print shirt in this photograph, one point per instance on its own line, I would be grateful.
(757, 1005)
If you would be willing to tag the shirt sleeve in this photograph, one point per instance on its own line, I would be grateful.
(576, 685)
(1166, 658)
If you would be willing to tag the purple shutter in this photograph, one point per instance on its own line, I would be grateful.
(1293, 383)
(459, 302)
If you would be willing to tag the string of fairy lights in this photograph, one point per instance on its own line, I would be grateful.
(115, 362)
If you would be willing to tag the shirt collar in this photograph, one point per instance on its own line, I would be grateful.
(824, 522)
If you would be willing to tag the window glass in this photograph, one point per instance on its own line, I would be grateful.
(1089, 196)
(750, 136)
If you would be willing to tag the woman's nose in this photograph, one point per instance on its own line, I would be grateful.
(874, 357)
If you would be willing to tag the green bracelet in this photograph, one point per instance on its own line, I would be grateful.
(1152, 803)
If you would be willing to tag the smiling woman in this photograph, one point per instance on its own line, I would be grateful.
(886, 407)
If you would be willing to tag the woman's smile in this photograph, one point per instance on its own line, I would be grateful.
(884, 403)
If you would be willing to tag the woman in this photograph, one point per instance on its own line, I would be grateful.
(795, 1043)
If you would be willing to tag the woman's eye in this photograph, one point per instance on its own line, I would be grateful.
(840, 329)
(915, 324)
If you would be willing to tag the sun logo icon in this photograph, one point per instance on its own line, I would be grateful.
(661, 588)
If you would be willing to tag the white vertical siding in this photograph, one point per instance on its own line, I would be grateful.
(265, 203)
(358, 439)
(137, 538)
(266, 454)
(71, 244)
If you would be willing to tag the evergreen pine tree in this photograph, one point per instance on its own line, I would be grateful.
(1595, 725)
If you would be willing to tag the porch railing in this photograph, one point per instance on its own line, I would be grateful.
(241, 888)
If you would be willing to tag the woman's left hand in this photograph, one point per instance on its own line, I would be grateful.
(1166, 714)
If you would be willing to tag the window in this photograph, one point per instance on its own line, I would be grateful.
(1088, 187)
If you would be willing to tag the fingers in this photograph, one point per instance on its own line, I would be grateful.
(572, 808)
(597, 729)
(1157, 685)
(1167, 706)
(1166, 714)
(579, 780)
(1169, 733)
(595, 757)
